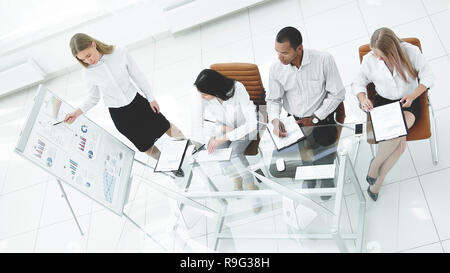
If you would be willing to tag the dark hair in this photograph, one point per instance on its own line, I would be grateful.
(213, 83)
(290, 34)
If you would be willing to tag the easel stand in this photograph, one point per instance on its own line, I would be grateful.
(64, 195)
(70, 207)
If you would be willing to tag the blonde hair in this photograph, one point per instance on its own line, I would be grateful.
(81, 41)
(385, 40)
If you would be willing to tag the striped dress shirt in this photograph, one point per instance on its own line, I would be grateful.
(314, 88)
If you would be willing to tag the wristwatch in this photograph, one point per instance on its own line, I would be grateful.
(315, 120)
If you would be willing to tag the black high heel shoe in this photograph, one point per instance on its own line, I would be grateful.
(369, 179)
(372, 195)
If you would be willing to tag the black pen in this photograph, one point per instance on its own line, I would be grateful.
(58, 123)
(198, 149)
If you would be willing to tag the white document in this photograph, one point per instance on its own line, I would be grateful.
(217, 155)
(315, 172)
(294, 133)
(171, 157)
(388, 121)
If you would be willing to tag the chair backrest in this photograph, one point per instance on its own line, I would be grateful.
(422, 127)
(248, 75)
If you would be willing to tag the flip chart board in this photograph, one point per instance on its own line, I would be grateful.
(81, 154)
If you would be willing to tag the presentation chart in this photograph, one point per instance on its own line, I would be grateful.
(82, 154)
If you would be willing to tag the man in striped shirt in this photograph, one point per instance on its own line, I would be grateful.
(307, 84)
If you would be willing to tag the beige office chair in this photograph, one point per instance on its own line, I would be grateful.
(425, 125)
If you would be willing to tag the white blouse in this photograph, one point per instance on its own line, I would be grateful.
(113, 75)
(392, 86)
(237, 112)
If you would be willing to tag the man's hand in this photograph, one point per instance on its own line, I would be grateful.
(305, 122)
(278, 128)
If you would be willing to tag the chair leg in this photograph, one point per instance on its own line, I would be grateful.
(433, 138)
(356, 152)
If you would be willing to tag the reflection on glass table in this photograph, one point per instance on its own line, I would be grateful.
(245, 206)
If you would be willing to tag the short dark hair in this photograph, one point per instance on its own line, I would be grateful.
(213, 83)
(290, 34)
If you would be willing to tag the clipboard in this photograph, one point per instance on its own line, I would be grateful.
(405, 127)
(178, 157)
(269, 126)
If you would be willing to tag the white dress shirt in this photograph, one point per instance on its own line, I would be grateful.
(392, 86)
(314, 88)
(237, 112)
(113, 76)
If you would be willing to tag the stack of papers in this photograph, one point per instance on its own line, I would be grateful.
(294, 133)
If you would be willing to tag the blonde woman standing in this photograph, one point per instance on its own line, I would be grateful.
(111, 71)
(400, 73)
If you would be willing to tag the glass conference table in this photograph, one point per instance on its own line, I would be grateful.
(301, 209)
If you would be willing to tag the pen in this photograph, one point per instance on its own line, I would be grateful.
(199, 148)
(58, 123)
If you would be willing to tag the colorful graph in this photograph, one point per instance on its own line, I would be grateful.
(108, 186)
(73, 166)
(39, 148)
(49, 161)
(82, 143)
(56, 105)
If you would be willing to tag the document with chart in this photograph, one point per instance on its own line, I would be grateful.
(294, 133)
(388, 122)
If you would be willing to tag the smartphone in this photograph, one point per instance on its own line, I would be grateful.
(358, 129)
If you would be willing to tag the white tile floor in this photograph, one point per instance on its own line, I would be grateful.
(411, 214)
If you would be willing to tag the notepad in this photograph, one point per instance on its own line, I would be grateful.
(171, 156)
(294, 133)
(315, 172)
(388, 121)
(217, 155)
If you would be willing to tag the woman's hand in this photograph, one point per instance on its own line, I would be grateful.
(365, 104)
(155, 107)
(214, 143)
(407, 100)
(71, 117)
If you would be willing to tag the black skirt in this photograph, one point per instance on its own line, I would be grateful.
(139, 123)
(414, 108)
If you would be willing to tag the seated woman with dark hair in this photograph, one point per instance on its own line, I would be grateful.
(235, 126)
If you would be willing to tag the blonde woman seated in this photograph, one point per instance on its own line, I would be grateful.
(400, 73)
(236, 123)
